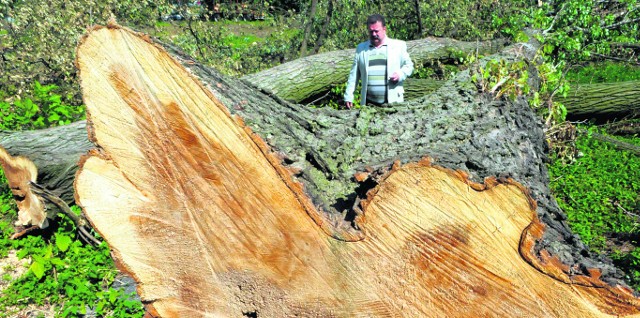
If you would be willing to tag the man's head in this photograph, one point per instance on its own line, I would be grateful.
(377, 29)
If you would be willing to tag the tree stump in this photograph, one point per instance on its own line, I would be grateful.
(212, 221)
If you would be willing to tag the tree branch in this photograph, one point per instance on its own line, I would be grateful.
(615, 25)
(615, 58)
(81, 223)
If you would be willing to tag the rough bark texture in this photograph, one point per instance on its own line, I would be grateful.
(194, 183)
(603, 101)
(303, 78)
(418, 87)
(600, 101)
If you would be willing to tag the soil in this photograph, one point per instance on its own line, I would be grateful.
(11, 268)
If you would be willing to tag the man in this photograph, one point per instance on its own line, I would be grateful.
(381, 64)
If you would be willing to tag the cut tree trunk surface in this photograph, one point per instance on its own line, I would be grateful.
(20, 172)
(200, 211)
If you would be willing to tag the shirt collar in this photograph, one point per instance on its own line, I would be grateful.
(384, 43)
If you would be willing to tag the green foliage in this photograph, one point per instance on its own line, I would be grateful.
(62, 271)
(334, 98)
(578, 30)
(38, 40)
(630, 262)
(503, 78)
(597, 192)
(460, 19)
(511, 79)
(43, 109)
(227, 47)
(604, 72)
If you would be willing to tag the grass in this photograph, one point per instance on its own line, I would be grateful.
(60, 272)
(599, 192)
(232, 47)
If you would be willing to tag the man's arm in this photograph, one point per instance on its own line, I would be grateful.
(405, 62)
(354, 76)
(406, 65)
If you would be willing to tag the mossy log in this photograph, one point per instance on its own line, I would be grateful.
(314, 75)
(282, 210)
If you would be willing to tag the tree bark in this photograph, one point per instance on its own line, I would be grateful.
(418, 87)
(54, 151)
(419, 16)
(623, 127)
(603, 101)
(325, 28)
(178, 176)
(600, 101)
(304, 78)
(307, 28)
(618, 144)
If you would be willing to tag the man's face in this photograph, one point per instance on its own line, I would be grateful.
(377, 33)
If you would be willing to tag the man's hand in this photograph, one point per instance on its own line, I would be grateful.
(395, 77)
(349, 105)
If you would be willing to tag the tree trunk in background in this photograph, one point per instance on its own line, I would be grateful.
(307, 28)
(419, 87)
(420, 27)
(304, 78)
(599, 101)
(623, 127)
(603, 101)
(179, 176)
(325, 27)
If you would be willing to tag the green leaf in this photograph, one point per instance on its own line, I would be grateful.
(53, 117)
(58, 262)
(63, 242)
(38, 269)
(113, 294)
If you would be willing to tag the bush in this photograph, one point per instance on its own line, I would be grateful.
(38, 40)
(43, 109)
(600, 194)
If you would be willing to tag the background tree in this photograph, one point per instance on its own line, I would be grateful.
(37, 41)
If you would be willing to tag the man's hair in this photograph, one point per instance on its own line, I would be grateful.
(372, 19)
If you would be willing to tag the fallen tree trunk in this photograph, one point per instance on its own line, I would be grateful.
(623, 127)
(303, 78)
(416, 88)
(54, 151)
(603, 101)
(600, 102)
(193, 182)
(176, 178)
(618, 144)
